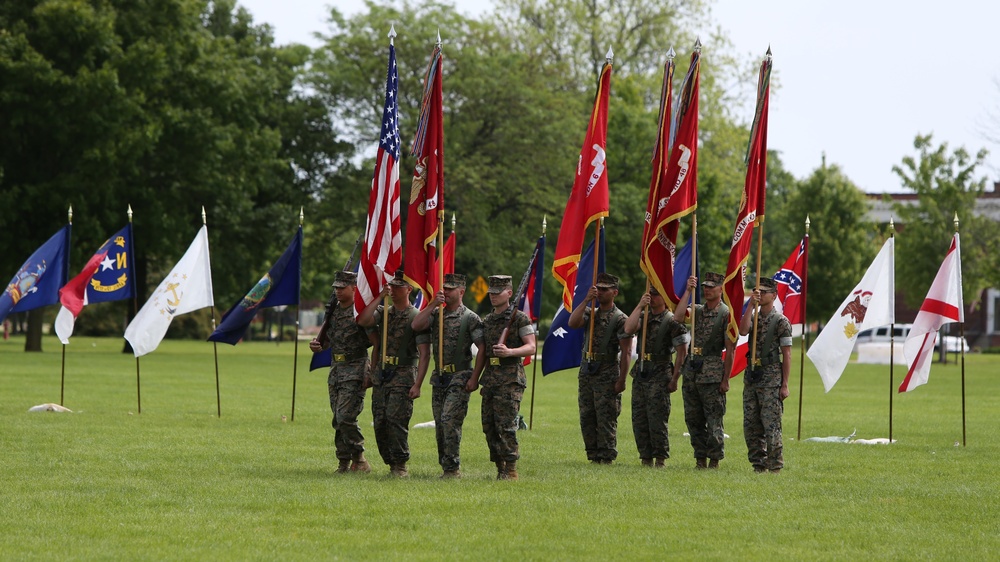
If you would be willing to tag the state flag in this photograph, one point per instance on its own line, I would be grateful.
(37, 282)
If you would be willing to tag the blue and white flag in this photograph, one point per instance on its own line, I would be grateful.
(563, 347)
(38, 281)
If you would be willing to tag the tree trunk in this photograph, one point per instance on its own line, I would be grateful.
(33, 341)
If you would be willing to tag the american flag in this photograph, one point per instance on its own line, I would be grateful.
(383, 252)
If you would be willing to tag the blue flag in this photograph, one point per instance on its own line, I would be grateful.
(531, 300)
(563, 347)
(38, 281)
(682, 270)
(279, 286)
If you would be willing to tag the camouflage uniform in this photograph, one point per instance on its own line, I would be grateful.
(762, 406)
(349, 344)
(704, 405)
(392, 406)
(599, 404)
(449, 399)
(503, 385)
(650, 396)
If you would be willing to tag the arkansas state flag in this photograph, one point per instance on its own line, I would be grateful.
(427, 189)
(589, 199)
(563, 347)
(107, 276)
(791, 279)
(279, 286)
(188, 287)
(751, 204)
(673, 192)
(37, 282)
(383, 253)
(871, 304)
(942, 305)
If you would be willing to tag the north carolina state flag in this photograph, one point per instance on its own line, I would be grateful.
(589, 199)
(752, 203)
(673, 191)
(427, 189)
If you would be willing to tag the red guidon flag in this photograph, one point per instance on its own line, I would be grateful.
(752, 203)
(448, 254)
(589, 199)
(673, 191)
(427, 190)
(383, 253)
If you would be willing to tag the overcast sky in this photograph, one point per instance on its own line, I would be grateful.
(858, 79)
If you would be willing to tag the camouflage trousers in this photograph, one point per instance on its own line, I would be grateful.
(762, 409)
(501, 405)
(600, 406)
(347, 400)
(650, 412)
(704, 410)
(450, 405)
(392, 409)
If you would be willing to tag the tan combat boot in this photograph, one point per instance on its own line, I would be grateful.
(647, 462)
(398, 470)
(360, 464)
(713, 463)
(511, 473)
(449, 474)
(345, 466)
(501, 470)
(701, 464)
(659, 463)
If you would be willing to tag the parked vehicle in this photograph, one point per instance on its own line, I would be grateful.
(953, 344)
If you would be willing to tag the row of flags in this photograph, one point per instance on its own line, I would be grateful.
(109, 276)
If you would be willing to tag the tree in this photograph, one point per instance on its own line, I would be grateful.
(168, 106)
(946, 183)
(841, 245)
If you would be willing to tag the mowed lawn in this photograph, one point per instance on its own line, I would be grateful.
(178, 482)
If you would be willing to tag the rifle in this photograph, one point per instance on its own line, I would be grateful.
(517, 297)
(331, 301)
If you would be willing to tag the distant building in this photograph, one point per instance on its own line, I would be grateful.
(982, 314)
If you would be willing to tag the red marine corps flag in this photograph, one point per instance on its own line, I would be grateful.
(752, 204)
(427, 190)
(383, 252)
(589, 199)
(673, 191)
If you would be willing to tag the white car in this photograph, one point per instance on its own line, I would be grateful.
(953, 344)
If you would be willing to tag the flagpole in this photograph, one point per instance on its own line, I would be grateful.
(756, 307)
(534, 365)
(961, 343)
(215, 345)
(892, 337)
(62, 376)
(802, 340)
(593, 311)
(694, 271)
(135, 304)
(295, 357)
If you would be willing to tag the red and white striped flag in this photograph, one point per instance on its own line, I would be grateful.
(383, 253)
(942, 305)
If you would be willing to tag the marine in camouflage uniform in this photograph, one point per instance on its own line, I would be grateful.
(766, 384)
(449, 397)
(705, 373)
(652, 374)
(407, 353)
(348, 344)
(503, 379)
(603, 372)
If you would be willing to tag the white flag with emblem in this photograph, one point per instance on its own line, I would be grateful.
(869, 305)
(188, 287)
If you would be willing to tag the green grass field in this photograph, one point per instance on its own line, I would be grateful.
(178, 482)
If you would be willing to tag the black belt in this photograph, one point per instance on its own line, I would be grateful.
(342, 357)
(495, 361)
